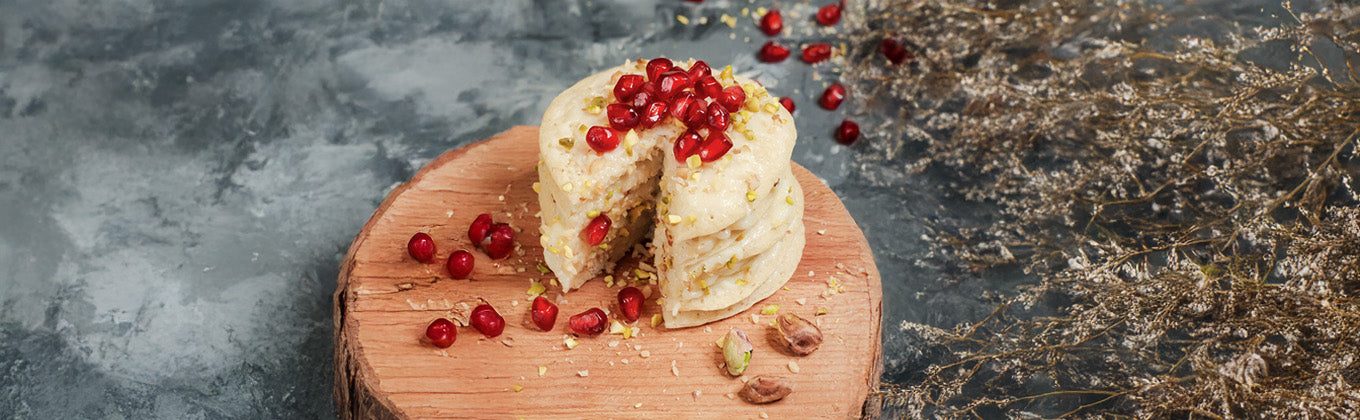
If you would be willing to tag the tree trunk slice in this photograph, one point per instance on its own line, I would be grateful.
(385, 299)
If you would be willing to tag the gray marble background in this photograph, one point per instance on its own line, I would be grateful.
(179, 180)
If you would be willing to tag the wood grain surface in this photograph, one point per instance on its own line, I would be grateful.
(384, 300)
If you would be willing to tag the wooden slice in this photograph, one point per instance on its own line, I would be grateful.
(385, 299)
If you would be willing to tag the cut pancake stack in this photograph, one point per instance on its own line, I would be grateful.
(724, 210)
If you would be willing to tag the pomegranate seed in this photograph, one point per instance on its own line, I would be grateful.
(687, 145)
(772, 22)
(707, 87)
(630, 303)
(485, 319)
(847, 133)
(480, 225)
(628, 85)
(672, 83)
(442, 333)
(543, 313)
(816, 53)
(894, 51)
(602, 139)
(658, 66)
(641, 99)
(787, 102)
(590, 322)
(597, 229)
(696, 116)
(655, 112)
(772, 52)
(832, 96)
(500, 241)
(829, 14)
(622, 117)
(681, 104)
(699, 69)
(715, 146)
(718, 118)
(460, 264)
(421, 247)
(731, 98)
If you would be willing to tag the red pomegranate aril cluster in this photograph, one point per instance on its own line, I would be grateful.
(597, 229)
(591, 322)
(816, 53)
(460, 264)
(773, 52)
(622, 117)
(543, 313)
(485, 319)
(442, 333)
(847, 133)
(829, 14)
(696, 115)
(421, 247)
(630, 303)
(787, 102)
(832, 96)
(772, 22)
(602, 139)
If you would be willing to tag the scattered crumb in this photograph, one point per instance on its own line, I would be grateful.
(583, 373)
(755, 319)
(674, 370)
(517, 388)
(763, 415)
(571, 343)
(645, 354)
(821, 231)
(801, 301)
(638, 405)
(731, 396)
(697, 393)
(793, 367)
(542, 370)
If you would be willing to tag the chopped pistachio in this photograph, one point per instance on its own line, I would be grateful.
(736, 352)
(750, 135)
(656, 319)
(694, 176)
(592, 213)
(682, 19)
(789, 199)
(567, 142)
(821, 311)
(568, 187)
(630, 139)
(543, 269)
(536, 289)
(571, 343)
(732, 262)
(691, 219)
(693, 161)
(751, 196)
(517, 388)
(740, 282)
(542, 370)
(675, 220)
(726, 73)
(769, 309)
(770, 107)
(615, 327)
(536, 187)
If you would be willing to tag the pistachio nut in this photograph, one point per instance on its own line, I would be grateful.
(765, 390)
(802, 337)
(737, 352)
